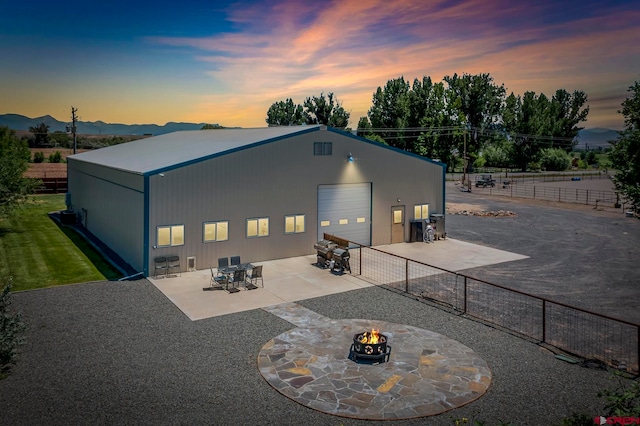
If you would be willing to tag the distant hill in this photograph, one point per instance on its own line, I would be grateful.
(595, 138)
(20, 122)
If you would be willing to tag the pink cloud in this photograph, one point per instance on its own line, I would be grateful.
(294, 49)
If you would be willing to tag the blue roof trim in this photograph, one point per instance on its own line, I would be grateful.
(220, 154)
(145, 240)
(392, 148)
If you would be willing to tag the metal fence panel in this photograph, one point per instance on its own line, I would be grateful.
(583, 333)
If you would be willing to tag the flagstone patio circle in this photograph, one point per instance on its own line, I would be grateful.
(427, 373)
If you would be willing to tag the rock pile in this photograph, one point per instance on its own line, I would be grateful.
(499, 213)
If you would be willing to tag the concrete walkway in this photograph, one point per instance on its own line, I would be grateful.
(297, 278)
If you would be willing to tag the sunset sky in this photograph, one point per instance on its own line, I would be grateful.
(224, 62)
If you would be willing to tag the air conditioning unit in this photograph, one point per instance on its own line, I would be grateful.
(191, 263)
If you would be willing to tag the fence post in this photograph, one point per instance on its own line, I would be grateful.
(465, 295)
(361, 254)
(558, 194)
(534, 192)
(544, 321)
(406, 276)
(587, 197)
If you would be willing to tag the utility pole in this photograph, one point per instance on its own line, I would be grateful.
(464, 159)
(74, 118)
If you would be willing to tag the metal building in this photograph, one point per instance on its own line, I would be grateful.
(262, 194)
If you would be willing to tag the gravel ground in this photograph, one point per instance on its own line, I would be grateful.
(121, 353)
(581, 256)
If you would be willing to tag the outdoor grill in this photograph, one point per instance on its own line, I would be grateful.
(340, 260)
(370, 346)
(324, 250)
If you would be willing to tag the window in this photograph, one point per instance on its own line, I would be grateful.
(215, 231)
(397, 216)
(343, 221)
(322, 148)
(258, 227)
(294, 224)
(421, 211)
(170, 235)
(325, 223)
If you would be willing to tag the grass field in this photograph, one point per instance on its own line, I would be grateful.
(38, 253)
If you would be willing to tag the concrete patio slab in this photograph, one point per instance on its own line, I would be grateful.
(297, 278)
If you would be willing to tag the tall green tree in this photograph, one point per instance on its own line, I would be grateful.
(440, 123)
(566, 111)
(390, 110)
(14, 162)
(325, 110)
(40, 134)
(625, 154)
(285, 113)
(525, 119)
(480, 102)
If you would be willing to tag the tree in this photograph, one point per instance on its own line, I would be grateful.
(497, 153)
(555, 159)
(285, 113)
(328, 111)
(40, 133)
(11, 329)
(625, 154)
(211, 127)
(14, 162)
(480, 102)
(525, 119)
(440, 122)
(390, 110)
(565, 113)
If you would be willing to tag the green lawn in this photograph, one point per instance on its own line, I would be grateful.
(38, 253)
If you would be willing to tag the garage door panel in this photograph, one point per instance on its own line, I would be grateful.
(345, 211)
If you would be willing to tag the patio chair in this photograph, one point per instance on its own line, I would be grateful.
(253, 277)
(160, 265)
(235, 260)
(223, 263)
(218, 282)
(173, 264)
(238, 277)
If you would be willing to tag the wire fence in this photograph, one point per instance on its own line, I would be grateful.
(566, 195)
(573, 330)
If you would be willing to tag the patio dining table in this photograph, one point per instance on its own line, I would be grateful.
(229, 272)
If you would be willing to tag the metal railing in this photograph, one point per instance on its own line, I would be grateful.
(577, 331)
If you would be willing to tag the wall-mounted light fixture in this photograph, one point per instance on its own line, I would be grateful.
(350, 158)
(161, 174)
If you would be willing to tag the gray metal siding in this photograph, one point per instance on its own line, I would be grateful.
(111, 210)
(268, 180)
(278, 179)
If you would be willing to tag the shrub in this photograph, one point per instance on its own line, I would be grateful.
(38, 157)
(555, 159)
(56, 157)
(11, 329)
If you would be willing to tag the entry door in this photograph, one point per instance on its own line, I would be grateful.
(397, 224)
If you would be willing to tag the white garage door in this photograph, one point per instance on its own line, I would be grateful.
(345, 211)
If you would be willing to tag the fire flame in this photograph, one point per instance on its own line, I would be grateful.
(372, 337)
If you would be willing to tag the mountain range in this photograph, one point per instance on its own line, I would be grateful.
(587, 138)
(20, 122)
